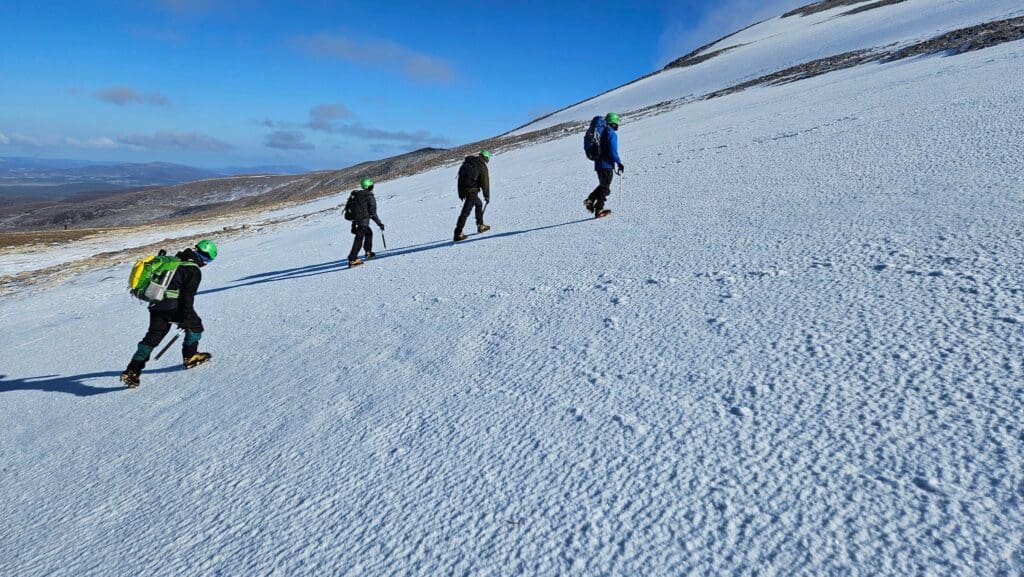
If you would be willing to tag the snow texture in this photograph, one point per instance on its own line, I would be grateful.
(794, 349)
(780, 43)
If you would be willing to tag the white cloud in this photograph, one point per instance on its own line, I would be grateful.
(322, 117)
(326, 118)
(383, 54)
(175, 140)
(718, 18)
(101, 143)
(191, 7)
(288, 140)
(13, 138)
(123, 95)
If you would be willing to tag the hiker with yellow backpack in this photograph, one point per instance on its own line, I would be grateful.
(169, 285)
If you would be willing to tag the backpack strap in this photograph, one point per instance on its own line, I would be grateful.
(175, 294)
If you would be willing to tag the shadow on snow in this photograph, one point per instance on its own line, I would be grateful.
(75, 384)
(72, 385)
(342, 264)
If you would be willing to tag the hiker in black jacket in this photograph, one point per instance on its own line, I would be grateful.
(363, 209)
(473, 178)
(177, 307)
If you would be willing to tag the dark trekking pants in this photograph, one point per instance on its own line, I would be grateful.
(472, 202)
(363, 239)
(159, 326)
(604, 188)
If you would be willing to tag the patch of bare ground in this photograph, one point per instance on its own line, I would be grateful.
(44, 237)
(965, 39)
(871, 6)
(830, 4)
(802, 71)
(57, 274)
(695, 57)
(951, 43)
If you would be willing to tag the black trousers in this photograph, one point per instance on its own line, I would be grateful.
(363, 239)
(471, 202)
(159, 325)
(161, 315)
(604, 188)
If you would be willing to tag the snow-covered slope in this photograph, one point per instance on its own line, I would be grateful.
(795, 349)
(780, 43)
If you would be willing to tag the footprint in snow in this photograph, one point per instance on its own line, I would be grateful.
(630, 425)
(744, 412)
(576, 414)
(928, 485)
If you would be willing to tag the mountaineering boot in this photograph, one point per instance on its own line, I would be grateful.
(588, 203)
(130, 378)
(459, 236)
(602, 213)
(196, 360)
(481, 228)
(370, 254)
(355, 262)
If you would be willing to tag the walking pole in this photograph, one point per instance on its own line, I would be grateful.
(164, 350)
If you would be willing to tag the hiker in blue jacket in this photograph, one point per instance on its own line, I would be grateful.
(605, 167)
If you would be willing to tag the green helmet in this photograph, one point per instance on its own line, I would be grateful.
(207, 249)
(366, 183)
(486, 154)
(611, 118)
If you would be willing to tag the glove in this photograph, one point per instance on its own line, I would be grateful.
(487, 199)
(622, 167)
(381, 225)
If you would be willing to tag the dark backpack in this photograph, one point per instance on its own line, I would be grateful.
(592, 139)
(350, 207)
(469, 174)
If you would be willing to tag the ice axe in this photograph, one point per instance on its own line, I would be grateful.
(164, 350)
(382, 239)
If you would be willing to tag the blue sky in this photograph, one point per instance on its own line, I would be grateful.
(319, 83)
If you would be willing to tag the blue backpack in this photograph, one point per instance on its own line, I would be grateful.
(592, 139)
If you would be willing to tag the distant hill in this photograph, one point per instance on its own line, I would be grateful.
(28, 180)
(143, 198)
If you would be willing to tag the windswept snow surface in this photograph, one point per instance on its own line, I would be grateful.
(794, 349)
(780, 43)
